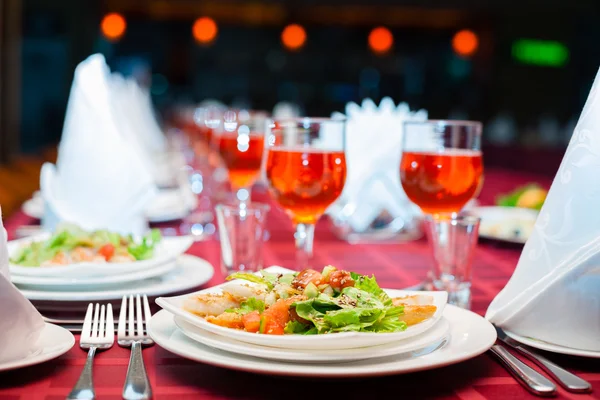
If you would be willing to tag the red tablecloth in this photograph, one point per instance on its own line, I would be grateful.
(395, 265)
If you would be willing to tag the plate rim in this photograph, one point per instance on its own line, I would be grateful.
(551, 347)
(41, 358)
(165, 303)
(482, 208)
(151, 272)
(443, 322)
(268, 368)
(210, 271)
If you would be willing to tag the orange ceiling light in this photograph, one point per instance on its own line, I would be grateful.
(205, 30)
(113, 26)
(381, 40)
(465, 43)
(293, 36)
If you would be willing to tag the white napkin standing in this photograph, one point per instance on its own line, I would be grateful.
(373, 152)
(100, 180)
(554, 293)
(20, 323)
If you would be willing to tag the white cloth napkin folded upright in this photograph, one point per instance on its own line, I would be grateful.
(373, 152)
(100, 180)
(554, 293)
(20, 323)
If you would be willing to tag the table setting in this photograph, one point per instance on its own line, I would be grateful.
(363, 253)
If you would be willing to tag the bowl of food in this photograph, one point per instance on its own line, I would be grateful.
(73, 251)
(330, 309)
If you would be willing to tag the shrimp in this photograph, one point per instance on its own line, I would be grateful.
(242, 292)
(417, 299)
(61, 258)
(82, 254)
(417, 308)
(211, 304)
(228, 320)
(414, 314)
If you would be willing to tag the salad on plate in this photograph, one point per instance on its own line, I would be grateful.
(309, 302)
(70, 244)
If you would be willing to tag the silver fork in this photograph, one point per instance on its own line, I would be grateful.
(137, 384)
(97, 333)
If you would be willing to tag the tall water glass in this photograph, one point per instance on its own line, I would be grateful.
(441, 170)
(305, 173)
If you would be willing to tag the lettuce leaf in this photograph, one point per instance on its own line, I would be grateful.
(247, 306)
(295, 327)
(369, 284)
(247, 276)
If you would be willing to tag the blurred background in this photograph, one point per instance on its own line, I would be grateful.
(524, 68)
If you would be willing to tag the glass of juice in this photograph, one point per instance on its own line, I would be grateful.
(305, 172)
(240, 145)
(441, 169)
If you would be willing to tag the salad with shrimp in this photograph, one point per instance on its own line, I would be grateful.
(70, 244)
(309, 303)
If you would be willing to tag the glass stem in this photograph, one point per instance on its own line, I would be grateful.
(304, 244)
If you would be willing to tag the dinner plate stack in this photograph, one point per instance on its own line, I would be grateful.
(72, 286)
(449, 336)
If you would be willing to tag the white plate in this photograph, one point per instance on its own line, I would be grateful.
(470, 335)
(434, 335)
(539, 344)
(54, 341)
(508, 224)
(342, 340)
(190, 273)
(169, 205)
(59, 283)
(169, 248)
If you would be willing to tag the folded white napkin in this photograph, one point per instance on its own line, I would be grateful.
(20, 323)
(373, 152)
(100, 180)
(554, 293)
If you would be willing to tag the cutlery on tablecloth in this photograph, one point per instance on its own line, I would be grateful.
(565, 378)
(531, 379)
(97, 334)
(137, 384)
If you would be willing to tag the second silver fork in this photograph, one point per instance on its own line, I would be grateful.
(137, 385)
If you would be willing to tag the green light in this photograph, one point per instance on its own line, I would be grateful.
(540, 52)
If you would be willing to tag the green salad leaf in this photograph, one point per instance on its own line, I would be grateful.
(247, 276)
(68, 237)
(145, 249)
(370, 285)
(353, 310)
(247, 306)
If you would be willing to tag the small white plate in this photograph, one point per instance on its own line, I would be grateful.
(169, 205)
(554, 348)
(334, 341)
(508, 224)
(191, 272)
(470, 336)
(59, 283)
(169, 248)
(434, 335)
(53, 342)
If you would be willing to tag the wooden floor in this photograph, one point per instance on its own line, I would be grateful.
(20, 178)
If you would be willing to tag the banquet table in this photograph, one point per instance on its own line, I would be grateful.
(396, 265)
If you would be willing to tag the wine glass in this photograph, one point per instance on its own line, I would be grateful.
(240, 145)
(441, 170)
(305, 172)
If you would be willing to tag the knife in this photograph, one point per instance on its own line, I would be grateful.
(566, 379)
(532, 380)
